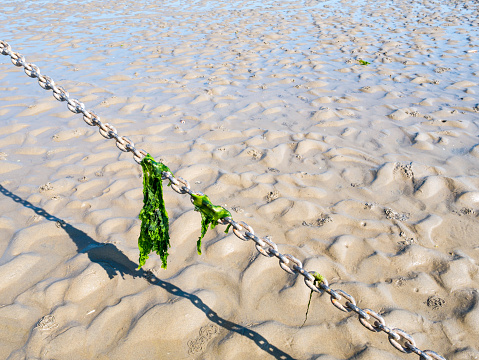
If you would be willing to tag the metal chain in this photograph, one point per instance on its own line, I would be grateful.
(106, 130)
(398, 338)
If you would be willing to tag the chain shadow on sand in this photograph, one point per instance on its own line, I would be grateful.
(115, 262)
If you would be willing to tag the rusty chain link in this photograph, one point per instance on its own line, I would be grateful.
(106, 130)
(398, 338)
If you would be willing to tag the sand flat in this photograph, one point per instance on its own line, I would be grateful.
(347, 132)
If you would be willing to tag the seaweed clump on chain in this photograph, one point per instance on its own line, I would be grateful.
(154, 234)
(210, 214)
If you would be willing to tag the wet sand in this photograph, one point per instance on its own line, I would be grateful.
(369, 174)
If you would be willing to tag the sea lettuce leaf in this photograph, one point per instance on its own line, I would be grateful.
(210, 214)
(154, 218)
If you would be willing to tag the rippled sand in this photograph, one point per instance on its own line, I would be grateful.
(369, 174)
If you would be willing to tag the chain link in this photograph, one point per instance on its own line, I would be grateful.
(408, 340)
(398, 338)
(340, 306)
(183, 186)
(269, 249)
(368, 325)
(106, 130)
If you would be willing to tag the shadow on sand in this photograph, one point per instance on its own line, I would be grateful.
(116, 263)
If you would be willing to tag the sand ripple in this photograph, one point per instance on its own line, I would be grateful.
(366, 173)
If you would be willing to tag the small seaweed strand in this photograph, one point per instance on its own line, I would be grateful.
(318, 279)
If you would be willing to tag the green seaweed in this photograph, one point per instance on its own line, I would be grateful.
(362, 62)
(210, 214)
(318, 279)
(154, 218)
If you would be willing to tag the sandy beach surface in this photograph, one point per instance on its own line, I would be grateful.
(368, 174)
